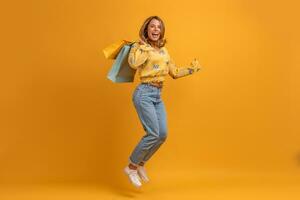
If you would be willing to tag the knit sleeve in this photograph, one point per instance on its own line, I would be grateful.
(138, 55)
(178, 72)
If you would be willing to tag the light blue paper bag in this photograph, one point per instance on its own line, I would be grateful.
(120, 71)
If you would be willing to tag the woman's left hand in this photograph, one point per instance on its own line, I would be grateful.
(195, 65)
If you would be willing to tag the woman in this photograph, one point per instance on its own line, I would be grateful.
(151, 59)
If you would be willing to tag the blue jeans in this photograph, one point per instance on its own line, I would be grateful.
(152, 114)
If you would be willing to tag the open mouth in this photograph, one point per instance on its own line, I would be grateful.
(155, 35)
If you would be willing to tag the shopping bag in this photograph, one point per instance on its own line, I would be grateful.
(111, 51)
(120, 71)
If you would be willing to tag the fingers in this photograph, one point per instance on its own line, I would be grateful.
(196, 65)
(195, 62)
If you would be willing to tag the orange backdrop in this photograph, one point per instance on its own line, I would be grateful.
(63, 120)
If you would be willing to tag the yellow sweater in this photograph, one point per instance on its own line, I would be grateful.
(153, 65)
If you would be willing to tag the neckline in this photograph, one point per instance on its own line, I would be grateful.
(154, 49)
(157, 50)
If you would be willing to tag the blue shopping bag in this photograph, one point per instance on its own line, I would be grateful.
(120, 71)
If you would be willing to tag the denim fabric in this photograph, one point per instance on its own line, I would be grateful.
(152, 114)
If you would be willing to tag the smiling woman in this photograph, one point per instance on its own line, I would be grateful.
(153, 32)
(150, 57)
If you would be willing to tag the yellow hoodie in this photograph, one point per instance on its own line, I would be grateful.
(153, 65)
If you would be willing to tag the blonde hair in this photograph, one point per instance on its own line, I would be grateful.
(144, 31)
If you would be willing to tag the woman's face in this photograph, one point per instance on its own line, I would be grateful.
(153, 30)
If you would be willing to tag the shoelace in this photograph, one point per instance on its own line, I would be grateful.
(135, 176)
(133, 172)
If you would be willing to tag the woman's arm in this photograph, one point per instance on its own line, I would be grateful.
(138, 55)
(178, 72)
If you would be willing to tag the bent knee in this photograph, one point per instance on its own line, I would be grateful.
(163, 136)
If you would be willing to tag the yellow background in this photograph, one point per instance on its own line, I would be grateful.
(62, 120)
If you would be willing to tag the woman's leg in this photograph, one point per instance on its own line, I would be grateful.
(148, 116)
(162, 121)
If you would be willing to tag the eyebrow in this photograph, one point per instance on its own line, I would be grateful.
(154, 25)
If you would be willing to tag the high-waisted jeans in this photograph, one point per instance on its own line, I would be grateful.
(152, 114)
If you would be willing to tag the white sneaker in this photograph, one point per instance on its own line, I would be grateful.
(142, 173)
(133, 176)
